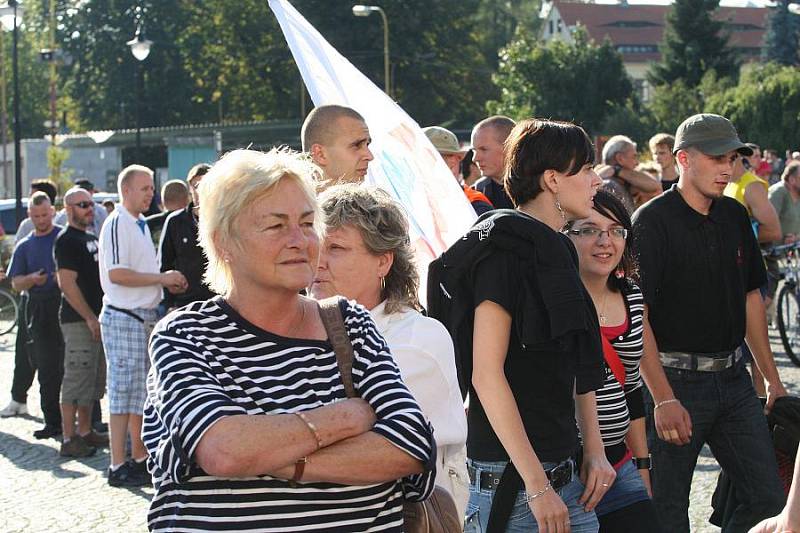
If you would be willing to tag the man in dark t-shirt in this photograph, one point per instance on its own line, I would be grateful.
(701, 270)
(32, 269)
(488, 137)
(82, 298)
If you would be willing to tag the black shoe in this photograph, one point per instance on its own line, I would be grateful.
(127, 476)
(140, 468)
(100, 427)
(47, 432)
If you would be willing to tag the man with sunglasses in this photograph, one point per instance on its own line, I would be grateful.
(701, 271)
(78, 276)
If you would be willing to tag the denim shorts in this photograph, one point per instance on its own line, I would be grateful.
(522, 519)
(628, 488)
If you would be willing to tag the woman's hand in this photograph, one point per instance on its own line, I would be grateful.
(550, 512)
(776, 524)
(597, 476)
(359, 414)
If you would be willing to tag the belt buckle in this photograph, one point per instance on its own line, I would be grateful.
(560, 475)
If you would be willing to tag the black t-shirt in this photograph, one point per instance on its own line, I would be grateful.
(542, 378)
(494, 192)
(181, 251)
(77, 250)
(696, 272)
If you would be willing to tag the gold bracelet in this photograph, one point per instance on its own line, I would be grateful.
(311, 427)
(665, 402)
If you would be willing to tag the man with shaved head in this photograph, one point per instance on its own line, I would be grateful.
(337, 138)
(78, 275)
(488, 140)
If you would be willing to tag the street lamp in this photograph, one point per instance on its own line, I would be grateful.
(140, 48)
(11, 17)
(365, 11)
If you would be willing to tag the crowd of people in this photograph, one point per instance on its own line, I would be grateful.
(579, 345)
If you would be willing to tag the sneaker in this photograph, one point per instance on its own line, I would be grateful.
(127, 476)
(95, 439)
(14, 408)
(140, 468)
(76, 447)
(47, 432)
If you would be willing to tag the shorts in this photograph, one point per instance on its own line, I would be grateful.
(84, 366)
(628, 488)
(125, 342)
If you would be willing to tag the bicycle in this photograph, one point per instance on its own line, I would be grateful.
(788, 303)
(8, 311)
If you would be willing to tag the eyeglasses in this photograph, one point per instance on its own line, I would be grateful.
(83, 205)
(619, 234)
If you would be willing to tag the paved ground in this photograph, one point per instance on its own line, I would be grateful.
(43, 492)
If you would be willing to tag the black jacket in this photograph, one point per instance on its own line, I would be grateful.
(180, 251)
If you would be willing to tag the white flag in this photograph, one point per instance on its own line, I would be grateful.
(406, 164)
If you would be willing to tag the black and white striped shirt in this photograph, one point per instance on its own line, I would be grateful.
(614, 401)
(208, 362)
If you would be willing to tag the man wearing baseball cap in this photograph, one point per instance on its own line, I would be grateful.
(446, 143)
(701, 270)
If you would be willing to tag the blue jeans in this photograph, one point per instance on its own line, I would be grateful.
(727, 415)
(628, 488)
(522, 519)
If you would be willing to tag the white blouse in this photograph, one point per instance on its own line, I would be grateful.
(423, 350)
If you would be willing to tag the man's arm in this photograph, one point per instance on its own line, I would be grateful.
(769, 228)
(68, 283)
(131, 278)
(643, 181)
(27, 281)
(672, 421)
(758, 341)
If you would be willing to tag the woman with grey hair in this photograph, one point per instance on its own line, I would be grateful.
(367, 256)
(247, 424)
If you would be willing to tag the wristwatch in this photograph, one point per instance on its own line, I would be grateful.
(643, 463)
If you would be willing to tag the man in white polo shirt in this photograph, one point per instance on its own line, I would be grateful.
(132, 283)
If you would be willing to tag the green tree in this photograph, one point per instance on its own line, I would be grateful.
(781, 41)
(694, 43)
(764, 106)
(579, 81)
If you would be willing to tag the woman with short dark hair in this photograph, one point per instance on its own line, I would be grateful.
(535, 344)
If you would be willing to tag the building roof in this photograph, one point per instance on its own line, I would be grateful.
(639, 26)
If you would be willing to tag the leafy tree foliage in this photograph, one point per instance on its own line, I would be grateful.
(580, 81)
(781, 41)
(694, 43)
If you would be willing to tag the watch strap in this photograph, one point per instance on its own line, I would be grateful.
(643, 463)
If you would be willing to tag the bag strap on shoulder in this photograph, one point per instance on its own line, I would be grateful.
(330, 311)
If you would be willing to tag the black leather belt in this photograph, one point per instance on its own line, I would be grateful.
(559, 476)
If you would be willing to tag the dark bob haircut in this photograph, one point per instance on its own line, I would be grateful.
(611, 207)
(536, 145)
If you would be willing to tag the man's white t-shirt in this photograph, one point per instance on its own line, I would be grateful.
(125, 242)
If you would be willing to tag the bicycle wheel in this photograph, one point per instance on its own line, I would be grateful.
(8, 311)
(789, 321)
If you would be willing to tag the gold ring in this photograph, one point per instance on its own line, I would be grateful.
(604, 484)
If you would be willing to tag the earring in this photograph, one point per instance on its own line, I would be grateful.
(561, 212)
(383, 283)
(226, 259)
(619, 273)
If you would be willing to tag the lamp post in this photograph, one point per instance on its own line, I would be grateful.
(365, 11)
(140, 48)
(11, 16)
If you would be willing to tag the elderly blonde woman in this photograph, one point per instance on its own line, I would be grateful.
(366, 256)
(247, 424)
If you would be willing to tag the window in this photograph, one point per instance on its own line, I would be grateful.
(637, 48)
(550, 22)
(631, 24)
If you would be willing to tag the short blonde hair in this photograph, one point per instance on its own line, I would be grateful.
(234, 183)
(383, 227)
(128, 172)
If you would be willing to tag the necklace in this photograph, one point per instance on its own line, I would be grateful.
(602, 314)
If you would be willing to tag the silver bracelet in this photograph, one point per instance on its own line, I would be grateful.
(530, 497)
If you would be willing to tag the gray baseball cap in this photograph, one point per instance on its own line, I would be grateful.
(711, 134)
(444, 140)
